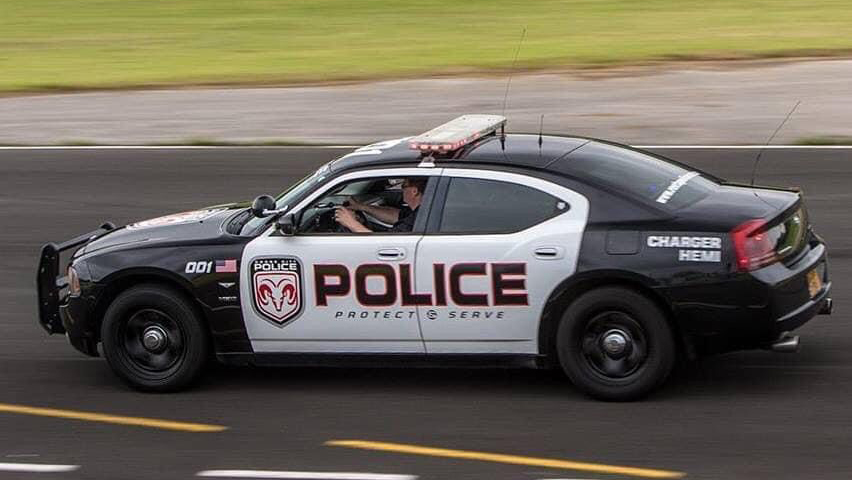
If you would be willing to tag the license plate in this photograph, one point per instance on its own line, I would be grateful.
(814, 283)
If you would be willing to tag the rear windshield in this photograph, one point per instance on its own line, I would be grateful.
(637, 174)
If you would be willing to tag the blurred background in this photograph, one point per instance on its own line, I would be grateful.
(667, 71)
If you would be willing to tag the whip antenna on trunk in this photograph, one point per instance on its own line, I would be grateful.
(760, 153)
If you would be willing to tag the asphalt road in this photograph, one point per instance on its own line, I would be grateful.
(747, 415)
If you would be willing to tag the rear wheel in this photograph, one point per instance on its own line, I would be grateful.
(615, 344)
(153, 339)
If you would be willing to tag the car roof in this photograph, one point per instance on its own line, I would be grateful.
(522, 150)
(561, 156)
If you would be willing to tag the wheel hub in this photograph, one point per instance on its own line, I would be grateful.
(155, 339)
(615, 343)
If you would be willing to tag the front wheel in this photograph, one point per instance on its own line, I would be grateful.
(615, 344)
(153, 339)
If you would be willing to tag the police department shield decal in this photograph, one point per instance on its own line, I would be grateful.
(277, 289)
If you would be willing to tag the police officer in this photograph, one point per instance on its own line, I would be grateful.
(401, 218)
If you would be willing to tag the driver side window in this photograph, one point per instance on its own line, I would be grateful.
(384, 204)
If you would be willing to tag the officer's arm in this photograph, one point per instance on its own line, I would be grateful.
(358, 228)
(385, 214)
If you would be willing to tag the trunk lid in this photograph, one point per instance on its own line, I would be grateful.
(731, 205)
(766, 225)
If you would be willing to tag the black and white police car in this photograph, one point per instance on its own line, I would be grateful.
(609, 262)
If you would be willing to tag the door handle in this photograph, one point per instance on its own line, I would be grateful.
(390, 253)
(549, 253)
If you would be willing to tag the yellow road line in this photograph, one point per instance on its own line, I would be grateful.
(502, 458)
(121, 420)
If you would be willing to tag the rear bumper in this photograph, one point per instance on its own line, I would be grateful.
(50, 284)
(821, 303)
(791, 304)
(751, 310)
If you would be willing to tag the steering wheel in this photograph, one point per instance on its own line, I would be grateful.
(358, 216)
(325, 222)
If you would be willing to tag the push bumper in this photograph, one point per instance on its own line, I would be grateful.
(50, 284)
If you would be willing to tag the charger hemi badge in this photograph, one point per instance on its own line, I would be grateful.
(690, 249)
(277, 288)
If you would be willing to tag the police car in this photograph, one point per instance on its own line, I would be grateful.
(608, 262)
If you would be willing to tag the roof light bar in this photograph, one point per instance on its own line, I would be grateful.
(457, 133)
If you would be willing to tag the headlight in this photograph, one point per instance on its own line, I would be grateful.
(73, 281)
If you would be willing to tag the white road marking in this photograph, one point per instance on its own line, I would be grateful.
(321, 147)
(303, 475)
(36, 467)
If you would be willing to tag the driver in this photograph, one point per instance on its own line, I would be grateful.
(401, 218)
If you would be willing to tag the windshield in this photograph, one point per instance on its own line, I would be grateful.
(290, 196)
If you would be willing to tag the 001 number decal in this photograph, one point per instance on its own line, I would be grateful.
(199, 267)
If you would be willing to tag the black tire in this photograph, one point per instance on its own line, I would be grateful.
(159, 312)
(636, 358)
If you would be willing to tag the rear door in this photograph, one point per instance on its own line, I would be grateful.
(335, 292)
(497, 245)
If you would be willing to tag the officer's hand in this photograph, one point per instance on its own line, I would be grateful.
(355, 204)
(346, 217)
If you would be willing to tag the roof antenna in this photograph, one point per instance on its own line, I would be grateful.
(760, 153)
(512, 70)
(540, 132)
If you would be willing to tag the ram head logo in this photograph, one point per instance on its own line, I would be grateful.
(277, 295)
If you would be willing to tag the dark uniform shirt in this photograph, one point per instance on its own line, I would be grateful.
(405, 222)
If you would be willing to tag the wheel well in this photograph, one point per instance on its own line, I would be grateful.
(568, 291)
(117, 286)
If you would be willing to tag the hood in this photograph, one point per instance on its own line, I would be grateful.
(732, 204)
(190, 226)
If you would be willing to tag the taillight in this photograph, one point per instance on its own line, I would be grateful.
(73, 281)
(753, 246)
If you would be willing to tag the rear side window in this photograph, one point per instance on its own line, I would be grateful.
(637, 174)
(480, 206)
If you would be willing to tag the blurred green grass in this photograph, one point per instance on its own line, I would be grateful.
(76, 44)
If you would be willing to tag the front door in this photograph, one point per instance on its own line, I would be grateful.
(334, 291)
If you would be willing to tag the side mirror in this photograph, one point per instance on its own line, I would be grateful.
(286, 224)
(261, 204)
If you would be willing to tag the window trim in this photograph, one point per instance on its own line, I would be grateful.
(436, 212)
